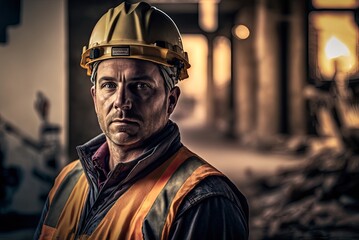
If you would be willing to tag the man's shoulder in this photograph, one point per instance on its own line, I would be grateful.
(69, 168)
(214, 187)
(214, 209)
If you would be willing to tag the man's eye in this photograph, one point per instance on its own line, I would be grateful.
(142, 86)
(109, 85)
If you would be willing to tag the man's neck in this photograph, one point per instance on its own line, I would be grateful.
(122, 154)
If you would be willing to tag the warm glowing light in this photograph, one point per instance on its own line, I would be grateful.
(335, 3)
(195, 87)
(337, 35)
(336, 48)
(241, 31)
(208, 15)
(222, 61)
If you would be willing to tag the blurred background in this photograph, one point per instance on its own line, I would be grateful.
(271, 101)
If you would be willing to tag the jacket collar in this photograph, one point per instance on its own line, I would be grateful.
(164, 144)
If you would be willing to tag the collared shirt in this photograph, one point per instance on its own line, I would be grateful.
(101, 165)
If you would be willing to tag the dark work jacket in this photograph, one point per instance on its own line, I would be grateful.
(214, 209)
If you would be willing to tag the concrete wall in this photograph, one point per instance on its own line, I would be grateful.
(34, 59)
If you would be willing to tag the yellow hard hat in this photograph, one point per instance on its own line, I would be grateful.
(138, 31)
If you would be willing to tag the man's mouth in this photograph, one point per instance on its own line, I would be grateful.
(124, 121)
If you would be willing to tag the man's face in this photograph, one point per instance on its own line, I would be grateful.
(130, 100)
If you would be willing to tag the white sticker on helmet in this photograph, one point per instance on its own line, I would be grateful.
(120, 51)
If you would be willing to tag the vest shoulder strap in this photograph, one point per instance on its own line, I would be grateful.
(183, 180)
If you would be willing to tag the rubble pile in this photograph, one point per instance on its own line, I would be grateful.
(317, 200)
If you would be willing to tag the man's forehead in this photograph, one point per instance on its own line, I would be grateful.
(129, 69)
(133, 66)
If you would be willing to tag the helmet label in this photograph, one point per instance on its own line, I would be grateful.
(120, 51)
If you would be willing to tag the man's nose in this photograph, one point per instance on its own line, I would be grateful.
(122, 101)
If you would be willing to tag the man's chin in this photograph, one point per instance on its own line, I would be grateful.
(123, 139)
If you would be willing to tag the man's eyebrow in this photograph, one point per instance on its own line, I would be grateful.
(106, 78)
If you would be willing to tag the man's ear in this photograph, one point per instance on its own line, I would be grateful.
(173, 99)
(93, 94)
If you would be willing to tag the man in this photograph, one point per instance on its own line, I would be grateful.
(137, 180)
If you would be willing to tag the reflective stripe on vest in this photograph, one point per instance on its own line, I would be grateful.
(58, 197)
(153, 199)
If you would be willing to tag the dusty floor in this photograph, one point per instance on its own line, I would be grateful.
(234, 159)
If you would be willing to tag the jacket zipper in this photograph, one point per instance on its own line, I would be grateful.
(85, 221)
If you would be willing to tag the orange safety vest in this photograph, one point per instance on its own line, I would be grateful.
(154, 198)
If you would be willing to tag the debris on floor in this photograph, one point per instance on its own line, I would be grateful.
(316, 200)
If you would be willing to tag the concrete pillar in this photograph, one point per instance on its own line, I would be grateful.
(297, 65)
(210, 84)
(267, 55)
(245, 75)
